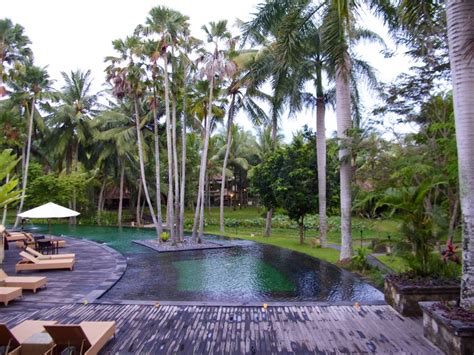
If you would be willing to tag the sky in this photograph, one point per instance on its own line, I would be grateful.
(77, 34)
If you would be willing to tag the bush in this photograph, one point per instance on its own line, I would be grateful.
(165, 236)
(359, 261)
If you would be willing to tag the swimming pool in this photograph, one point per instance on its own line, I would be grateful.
(247, 272)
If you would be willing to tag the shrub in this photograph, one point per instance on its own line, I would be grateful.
(164, 236)
(359, 260)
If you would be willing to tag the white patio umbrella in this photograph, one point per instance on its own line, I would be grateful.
(49, 210)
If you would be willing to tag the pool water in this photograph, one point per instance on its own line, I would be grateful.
(246, 272)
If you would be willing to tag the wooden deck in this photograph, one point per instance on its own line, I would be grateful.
(251, 330)
(185, 328)
(97, 268)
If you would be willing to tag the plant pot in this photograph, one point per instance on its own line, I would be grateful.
(451, 336)
(404, 298)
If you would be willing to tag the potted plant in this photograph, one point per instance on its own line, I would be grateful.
(431, 278)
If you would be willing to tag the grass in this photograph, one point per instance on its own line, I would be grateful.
(280, 239)
(395, 263)
(371, 229)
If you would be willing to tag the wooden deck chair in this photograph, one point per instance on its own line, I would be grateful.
(25, 282)
(18, 236)
(40, 256)
(11, 339)
(9, 293)
(29, 262)
(86, 338)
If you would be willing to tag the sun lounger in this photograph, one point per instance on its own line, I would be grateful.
(12, 339)
(9, 293)
(25, 282)
(17, 236)
(29, 262)
(86, 338)
(40, 256)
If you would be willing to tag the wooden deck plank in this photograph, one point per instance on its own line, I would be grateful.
(189, 328)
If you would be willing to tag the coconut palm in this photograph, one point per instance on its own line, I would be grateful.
(13, 48)
(240, 99)
(128, 81)
(71, 121)
(114, 133)
(32, 83)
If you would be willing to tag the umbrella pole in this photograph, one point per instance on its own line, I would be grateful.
(49, 226)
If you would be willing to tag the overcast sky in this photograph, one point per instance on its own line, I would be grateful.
(69, 34)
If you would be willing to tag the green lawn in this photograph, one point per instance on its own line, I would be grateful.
(395, 263)
(289, 237)
(279, 238)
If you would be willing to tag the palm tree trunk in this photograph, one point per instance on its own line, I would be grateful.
(27, 160)
(157, 173)
(183, 167)
(5, 208)
(202, 172)
(344, 123)
(169, 146)
(224, 164)
(321, 161)
(460, 38)
(142, 166)
(139, 199)
(196, 216)
(100, 202)
(120, 206)
(268, 221)
(178, 235)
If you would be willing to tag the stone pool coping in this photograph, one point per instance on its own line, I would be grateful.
(288, 303)
(150, 243)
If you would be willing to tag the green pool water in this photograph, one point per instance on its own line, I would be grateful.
(115, 237)
(199, 275)
(245, 272)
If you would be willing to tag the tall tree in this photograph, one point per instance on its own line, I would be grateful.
(71, 121)
(461, 53)
(128, 81)
(215, 66)
(169, 24)
(32, 82)
(240, 99)
(13, 49)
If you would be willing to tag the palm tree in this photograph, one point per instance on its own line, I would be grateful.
(128, 81)
(239, 100)
(151, 50)
(114, 132)
(461, 43)
(215, 65)
(461, 52)
(13, 48)
(33, 81)
(168, 25)
(71, 121)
